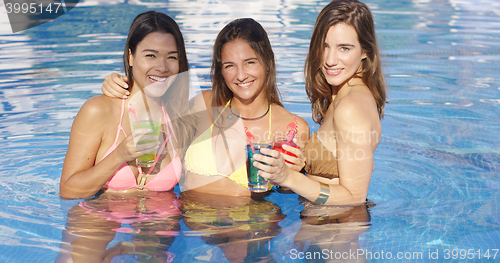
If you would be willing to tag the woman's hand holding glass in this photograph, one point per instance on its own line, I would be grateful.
(276, 166)
(272, 165)
(296, 162)
(115, 86)
(131, 148)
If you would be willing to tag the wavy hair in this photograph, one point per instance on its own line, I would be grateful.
(358, 15)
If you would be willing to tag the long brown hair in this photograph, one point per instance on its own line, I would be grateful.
(177, 96)
(358, 15)
(254, 34)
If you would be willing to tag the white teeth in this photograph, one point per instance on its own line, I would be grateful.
(334, 70)
(244, 84)
(158, 79)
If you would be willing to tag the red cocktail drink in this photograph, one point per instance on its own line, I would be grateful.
(278, 146)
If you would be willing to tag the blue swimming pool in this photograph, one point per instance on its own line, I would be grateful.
(434, 191)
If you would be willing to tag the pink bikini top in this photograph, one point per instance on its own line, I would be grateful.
(124, 178)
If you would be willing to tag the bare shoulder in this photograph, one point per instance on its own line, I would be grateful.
(357, 109)
(286, 115)
(97, 104)
(302, 125)
(303, 129)
(97, 108)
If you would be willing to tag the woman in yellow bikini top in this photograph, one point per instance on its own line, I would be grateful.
(244, 84)
(200, 159)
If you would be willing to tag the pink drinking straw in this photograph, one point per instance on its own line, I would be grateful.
(292, 129)
(131, 110)
(250, 137)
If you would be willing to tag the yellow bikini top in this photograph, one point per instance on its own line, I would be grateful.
(199, 157)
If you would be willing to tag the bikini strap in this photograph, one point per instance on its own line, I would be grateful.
(270, 113)
(224, 137)
(227, 104)
(120, 128)
(168, 124)
(121, 118)
(162, 147)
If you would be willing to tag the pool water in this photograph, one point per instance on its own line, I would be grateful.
(434, 191)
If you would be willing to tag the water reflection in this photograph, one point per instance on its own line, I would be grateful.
(151, 220)
(331, 233)
(143, 228)
(47, 72)
(241, 227)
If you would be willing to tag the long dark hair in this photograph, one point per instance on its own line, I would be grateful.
(254, 34)
(178, 94)
(358, 15)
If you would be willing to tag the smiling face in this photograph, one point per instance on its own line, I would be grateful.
(243, 70)
(342, 55)
(154, 63)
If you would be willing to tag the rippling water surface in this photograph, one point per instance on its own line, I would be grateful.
(435, 183)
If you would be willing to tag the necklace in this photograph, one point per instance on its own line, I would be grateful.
(247, 119)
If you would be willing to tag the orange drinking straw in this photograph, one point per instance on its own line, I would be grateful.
(250, 137)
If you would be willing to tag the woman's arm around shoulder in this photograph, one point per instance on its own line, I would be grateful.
(115, 86)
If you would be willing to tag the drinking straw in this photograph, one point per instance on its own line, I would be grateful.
(292, 127)
(250, 137)
(131, 110)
